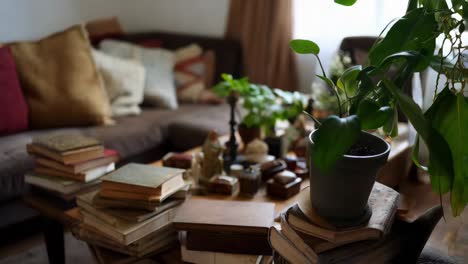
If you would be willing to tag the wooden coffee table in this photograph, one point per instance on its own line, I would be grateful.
(56, 219)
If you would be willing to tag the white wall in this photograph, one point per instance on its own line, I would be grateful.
(33, 19)
(327, 23)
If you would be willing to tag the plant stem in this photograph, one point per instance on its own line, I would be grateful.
(313, 118)
(333, 89)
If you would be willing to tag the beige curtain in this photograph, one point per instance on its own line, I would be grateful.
(264, 29)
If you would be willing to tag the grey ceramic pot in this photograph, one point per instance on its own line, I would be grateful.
(340, 195)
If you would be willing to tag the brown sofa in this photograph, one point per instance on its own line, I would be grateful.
(143, 138)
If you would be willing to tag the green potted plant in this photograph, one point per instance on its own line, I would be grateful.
(258, 104)
(345, 159)
(287, 106)
(290, 105)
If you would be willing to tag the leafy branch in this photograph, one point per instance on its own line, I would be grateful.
(374, 93)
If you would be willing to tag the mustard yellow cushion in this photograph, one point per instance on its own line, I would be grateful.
(60, 81)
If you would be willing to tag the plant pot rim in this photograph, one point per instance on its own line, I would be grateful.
(383, 153)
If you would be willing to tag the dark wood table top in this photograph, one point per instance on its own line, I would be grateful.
(53, 209)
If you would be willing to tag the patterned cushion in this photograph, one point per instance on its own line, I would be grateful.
(194, 72)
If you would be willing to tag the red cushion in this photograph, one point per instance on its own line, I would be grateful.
(13, 108)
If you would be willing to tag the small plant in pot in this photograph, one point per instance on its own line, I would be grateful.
(291, 105)
(258, 106)
(345, 159)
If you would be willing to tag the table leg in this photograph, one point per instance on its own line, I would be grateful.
(55, 244)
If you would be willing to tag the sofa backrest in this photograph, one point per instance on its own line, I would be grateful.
(228, 52)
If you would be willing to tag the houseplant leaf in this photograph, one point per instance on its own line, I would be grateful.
(391, 126)
(346, 2)
(414, 31)
(329, 82)
(348, 81)
(449, 116)
(412, 4)
(333, 139)
(413, 57)
(440, 158)
(365, 86)
(372, 116)
(303, 46)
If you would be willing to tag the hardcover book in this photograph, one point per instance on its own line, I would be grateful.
(145, 246)
(86, 176)
(150, 206)
(63, 143)
(110, 156)
(225, 216)
(126, 232)
(309, 247)
(142, 181)
(112, 216)
(288, 250)
(210, 257)
(228, 243)
(70, 157)
(383, 201)
(57, 184)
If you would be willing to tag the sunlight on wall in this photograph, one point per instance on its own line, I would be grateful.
(328, 23)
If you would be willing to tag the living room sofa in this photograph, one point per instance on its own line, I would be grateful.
(142, 138)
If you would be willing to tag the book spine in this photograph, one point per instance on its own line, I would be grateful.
(228, 243)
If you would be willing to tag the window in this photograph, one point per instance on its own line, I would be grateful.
(328, 23)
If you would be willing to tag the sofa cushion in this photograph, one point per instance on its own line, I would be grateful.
(60, 81)
(159, 63)
(13, 108)
(124, 81)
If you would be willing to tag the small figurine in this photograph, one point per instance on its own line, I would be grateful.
(257, 152)
(295, 133)
(196, 167)
(212, 163)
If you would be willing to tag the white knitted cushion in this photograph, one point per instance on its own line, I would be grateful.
(124, 81)
(159, 63)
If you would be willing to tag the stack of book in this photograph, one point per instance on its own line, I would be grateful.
(304, 237)
(214, 231)
(133, 210)
(68, 164)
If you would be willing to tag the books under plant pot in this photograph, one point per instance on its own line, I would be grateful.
(340, 194)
